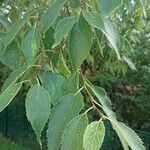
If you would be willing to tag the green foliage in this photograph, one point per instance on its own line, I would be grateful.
(54, 51)
(94, 135)
(30, 45)
(38, 106)
(80, 43)
(65, 110)
(74, 132)
(7, 95)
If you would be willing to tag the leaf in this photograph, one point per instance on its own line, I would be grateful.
(53, 83)
(108, 6)
(12, 32)
(10, 56)
(128, 135)
(73, 134)
(50, 15)
(31, 44)
(80, 43)
(104, 101)
(14, 76)
(7, 96)
(63, 27)
(94, 136)
(71, 85)
(129, 62)
(112, 35)
(107, 27)
(102, 96)
(64, 111)
(38, 108)
(74, 3)
(94, 19)
(5, 22)
(49, 38)
(144, 4)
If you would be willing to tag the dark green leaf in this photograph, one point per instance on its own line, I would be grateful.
(73, 134)
(64, 111)
(49, 39)
(37, 108)
(80, 42)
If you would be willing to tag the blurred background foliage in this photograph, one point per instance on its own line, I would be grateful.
(128, 89)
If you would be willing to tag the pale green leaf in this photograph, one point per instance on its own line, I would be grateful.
(7, 96)
(63, 27)
(30, 45)
(73, 134)
(129, 136)
(38, 108)
(112, 35)
(80, 43)
(94, 19)
(94, 136)
(12, 32)
(5, 22)
(129, 62)
(14, 76)
(108, 6)
(104, 101)
(50, 15)
(64, 111)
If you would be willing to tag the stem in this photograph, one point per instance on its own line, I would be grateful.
(88, 110)
(93, 102)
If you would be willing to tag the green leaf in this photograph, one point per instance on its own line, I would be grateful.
(10, 57)
(74, 3)
(112, 35)
(128, 135)
(50, 15)
(129, 62)
(49, 39)
(94, 136)
(31, 44)
(71, 85)
(80, 43)
(94, 19)
(7, 96)
(5, 22)
(63, 27)
(64, 111)
(12, 32)
(38, 108)
(73, 134)
(14, 76)
(53, 83)
(108, 6)
(104, 101)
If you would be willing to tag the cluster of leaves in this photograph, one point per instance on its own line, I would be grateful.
(47, 52)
